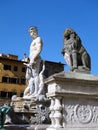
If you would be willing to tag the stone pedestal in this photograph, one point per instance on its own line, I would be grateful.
(26, 111)
(25, 127)
(74, 101)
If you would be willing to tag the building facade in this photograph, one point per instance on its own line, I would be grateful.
(12, 75)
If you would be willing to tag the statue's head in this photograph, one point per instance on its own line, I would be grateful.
(68, 32)
(33, 31)
(33, 28)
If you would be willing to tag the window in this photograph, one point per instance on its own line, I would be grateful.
(5, 79)
(7, 67)
(23, 80)
(15, 68)
(23, 69)
(14, 93)
(3, 94)
(10, 80)
(10, 94)
(13, 80)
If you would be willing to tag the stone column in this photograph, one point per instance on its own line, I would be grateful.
(57, 112)
(52, 112)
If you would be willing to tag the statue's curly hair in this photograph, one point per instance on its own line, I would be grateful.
(70, 31)
(34, 28)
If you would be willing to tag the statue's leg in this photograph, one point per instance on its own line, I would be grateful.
(27, 90)
(41, 86)
(71, 63)
(67, 58)
(36, 76)
(74, 60)
(36, 81)
(31, 85)
(86, 61)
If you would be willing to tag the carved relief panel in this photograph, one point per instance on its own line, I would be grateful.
(80, 113)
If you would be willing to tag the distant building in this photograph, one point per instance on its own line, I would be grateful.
(12, 75)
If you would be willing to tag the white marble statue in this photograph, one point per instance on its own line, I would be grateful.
(33, 68)
(30, 81)
(41, 81)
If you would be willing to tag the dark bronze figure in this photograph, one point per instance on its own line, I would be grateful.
(3, 111)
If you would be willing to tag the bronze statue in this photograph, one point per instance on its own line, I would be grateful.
(74, 53)
(3, 111)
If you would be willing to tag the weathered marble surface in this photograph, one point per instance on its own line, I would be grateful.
(30, 111)
(34, 77)
(74, 53)
(74, 101)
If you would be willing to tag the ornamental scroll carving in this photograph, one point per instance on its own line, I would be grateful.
(81, 114)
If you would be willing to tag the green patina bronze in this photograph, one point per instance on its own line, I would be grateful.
(3, 111)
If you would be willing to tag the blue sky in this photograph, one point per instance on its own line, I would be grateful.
(51, 17)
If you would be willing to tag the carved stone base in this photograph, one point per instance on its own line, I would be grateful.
(80, 69)
(80, 113)
(26, 127)
(26, 111)
(72, 129)
(74, 101)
